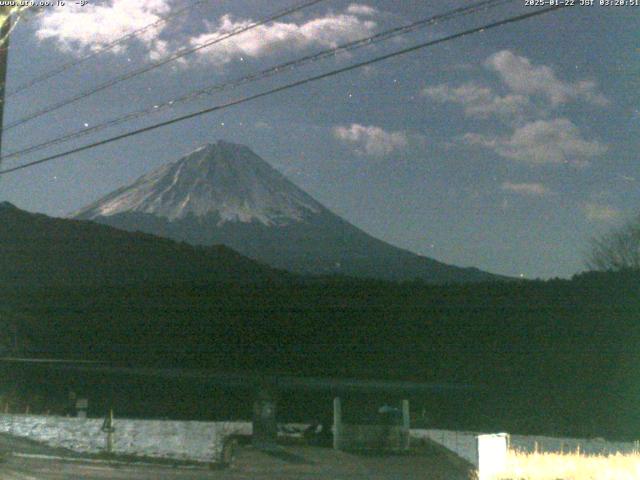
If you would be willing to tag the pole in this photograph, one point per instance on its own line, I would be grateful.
(110, 433)
(265, 426)
(337, 423)
(108, 428)
(406, 425)
(4, 56)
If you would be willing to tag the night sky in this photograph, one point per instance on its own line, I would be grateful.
(507, 150)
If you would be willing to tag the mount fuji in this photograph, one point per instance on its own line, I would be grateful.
(224, 193)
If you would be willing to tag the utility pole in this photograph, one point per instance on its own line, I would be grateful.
(5, 16)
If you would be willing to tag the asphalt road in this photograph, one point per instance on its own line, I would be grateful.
(19, 468)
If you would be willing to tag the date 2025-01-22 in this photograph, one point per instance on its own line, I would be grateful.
(582, 3)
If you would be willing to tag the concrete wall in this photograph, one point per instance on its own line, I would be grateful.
(463, 444)
(195, 441)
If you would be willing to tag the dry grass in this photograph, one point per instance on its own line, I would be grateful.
(570, 466)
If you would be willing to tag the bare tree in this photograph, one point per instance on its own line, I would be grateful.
(617, 250)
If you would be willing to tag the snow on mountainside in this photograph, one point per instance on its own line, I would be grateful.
(224, 179)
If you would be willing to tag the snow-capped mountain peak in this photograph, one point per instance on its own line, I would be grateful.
(222, 179)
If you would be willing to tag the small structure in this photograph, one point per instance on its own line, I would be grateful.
(82, 405)
(390, 432)
(265, 427)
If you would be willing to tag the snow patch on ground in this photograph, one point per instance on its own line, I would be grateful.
(176, 440)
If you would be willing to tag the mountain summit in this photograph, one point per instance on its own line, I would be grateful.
(223, 179)
(224, 193)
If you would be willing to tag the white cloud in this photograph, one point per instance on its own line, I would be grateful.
(542, 142)
(91, 26)
(532, 92)
(326, 31)
(479, 101)
(522, 77)
(262, 124)
(601, 213)
(531, 189)
(373, 140)
(359, 9)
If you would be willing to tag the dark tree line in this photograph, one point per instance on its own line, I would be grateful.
(558, 356)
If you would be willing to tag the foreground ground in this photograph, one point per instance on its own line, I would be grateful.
(26, 461)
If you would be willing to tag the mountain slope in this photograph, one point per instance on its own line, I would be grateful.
(40, 250)
(225, 194)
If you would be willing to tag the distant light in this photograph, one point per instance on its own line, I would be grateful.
(86, 125)
(222, 124)
(522, 275)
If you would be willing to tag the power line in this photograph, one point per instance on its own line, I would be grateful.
(5, 30)
(118, 41)
(278, 69)
(298, 83)
(152, 66)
